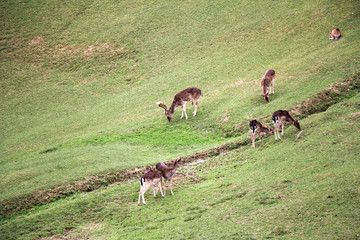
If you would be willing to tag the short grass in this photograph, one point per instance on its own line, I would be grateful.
(79, 83)
(305, 188)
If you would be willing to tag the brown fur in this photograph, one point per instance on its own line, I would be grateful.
(167, 173)
(149, 179)
(256, 128)
(279, 118)
(191, 94)
(335, 34)
(267, 83)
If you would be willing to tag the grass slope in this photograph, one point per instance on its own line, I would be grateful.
(79, 82)
(94, 70)
(304, 189)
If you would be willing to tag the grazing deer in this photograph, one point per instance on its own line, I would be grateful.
(335, 34)
(267, 83)
(279, 118)
(191, 94)
(257, 128)
(167, 173)
(149, 179)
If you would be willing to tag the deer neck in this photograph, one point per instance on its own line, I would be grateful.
(290, 119)
(264, 129)
(172, 107)
(173, 169)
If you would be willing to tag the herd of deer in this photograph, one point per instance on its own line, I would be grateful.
(192, 94)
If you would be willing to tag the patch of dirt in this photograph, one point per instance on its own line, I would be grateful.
(323, 100)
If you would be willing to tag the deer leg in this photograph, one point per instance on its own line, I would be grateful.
(272, 86)
(282, 129)
(164, 188)
(142, 194)
(183, 111)
(170, 188)
(253, 139)
(196, 106)
(143, 190)
(154, 191)
(160, 186)
(275, 130)
(139, 197)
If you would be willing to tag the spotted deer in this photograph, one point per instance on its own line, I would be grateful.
(256, 128)
(149, 179)
(279, 118)
(335, 34)
(191, 94)
(168, 173)
(267, 83)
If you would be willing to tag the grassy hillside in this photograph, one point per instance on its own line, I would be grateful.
(79, 83)
(304, 189)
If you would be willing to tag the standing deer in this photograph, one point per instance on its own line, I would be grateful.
(257, 128)
(279, 118)
(267, 83)
(167, 173)
(149, 179)
(191, 94)
(335, 34)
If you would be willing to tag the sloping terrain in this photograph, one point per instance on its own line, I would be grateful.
(79, 83)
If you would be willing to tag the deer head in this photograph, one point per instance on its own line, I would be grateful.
(147, 168)
(270, 131)
(266, 96)
(297, 124)
(176, 162)
(168, 114)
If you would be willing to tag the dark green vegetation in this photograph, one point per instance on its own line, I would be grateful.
(79, 83)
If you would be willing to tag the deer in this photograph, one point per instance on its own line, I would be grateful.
(149, 179)
(168, 173)
(257, 128)
(267, 83)
(191, 94)
(335, 34)
(279, 118)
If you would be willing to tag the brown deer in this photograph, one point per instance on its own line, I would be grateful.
(149, 179)
(335, 34)
(256, 128)
(167, 173)
(191, 94)
(267, 83)
(279, 118)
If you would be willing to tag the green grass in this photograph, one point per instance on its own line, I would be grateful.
(290, 189)
(78, 87)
